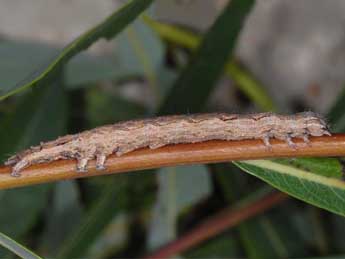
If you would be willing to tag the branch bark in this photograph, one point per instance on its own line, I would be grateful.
(198, 153)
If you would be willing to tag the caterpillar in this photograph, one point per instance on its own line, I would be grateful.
(124, 137)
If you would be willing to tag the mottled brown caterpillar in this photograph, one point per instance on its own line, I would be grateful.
(123, 137)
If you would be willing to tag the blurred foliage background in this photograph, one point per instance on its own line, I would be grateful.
(287, 56)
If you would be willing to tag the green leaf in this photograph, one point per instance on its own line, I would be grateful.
(196, 82)
(83, 70)
(17, 248)
(101, 213)
(329, 167)
(105, 108)
(103, 210)
(336, 115)
(222, 246)
(254, 240)
(65, 212)
(337, 229)
(18, 58)
(250, 86)
(174, 196)
(27, 202)
(39, 115)
(272, 235)
(113, 239)
(174, 34)
(106, 29)
(324, 192)
(141, 51)
(244, 80)
(121, 193)
(252, 234)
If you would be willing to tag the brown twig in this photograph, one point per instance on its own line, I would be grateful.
(206, 152)
(220, 222)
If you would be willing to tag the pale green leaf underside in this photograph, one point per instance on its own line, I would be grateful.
(324, 192)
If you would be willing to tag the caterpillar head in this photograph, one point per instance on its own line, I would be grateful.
(315, 124)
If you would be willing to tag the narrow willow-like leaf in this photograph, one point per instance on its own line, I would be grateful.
(244, 80)
(19, 58)
(65, 202)
(191, 90)
(118, 195)
(106, 29)
(38, 115)
(321, 191)
(254, 237)
(17, 248)
(336, 114)
(174, 197)
(92, 225)
(326, 166)
(143, 50)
